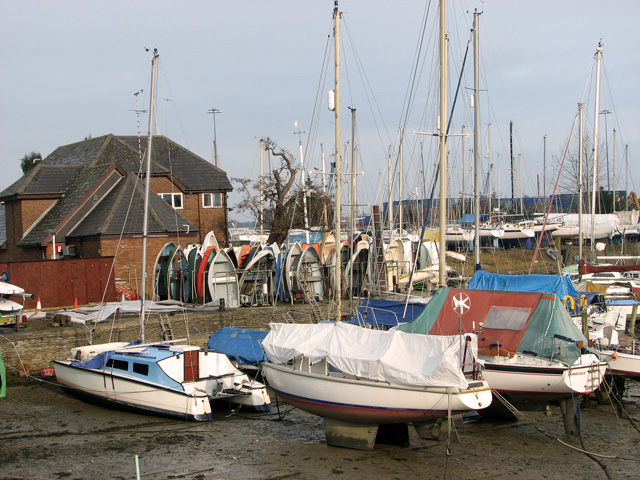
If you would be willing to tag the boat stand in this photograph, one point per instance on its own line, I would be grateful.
(363, 436)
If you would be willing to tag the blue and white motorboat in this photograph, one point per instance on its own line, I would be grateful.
(177, 381)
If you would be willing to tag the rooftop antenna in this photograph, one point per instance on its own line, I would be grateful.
(213, 112)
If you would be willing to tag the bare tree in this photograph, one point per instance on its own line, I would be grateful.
(282, 200)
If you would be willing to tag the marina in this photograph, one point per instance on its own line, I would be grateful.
(442, 323)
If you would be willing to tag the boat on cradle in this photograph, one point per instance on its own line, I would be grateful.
(177, 381)
(165, 379)
(10, 310)
(367, 381)
(531, 350)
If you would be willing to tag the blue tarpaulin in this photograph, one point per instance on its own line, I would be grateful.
(239, 344)
(470, 219)
(385, 313)
(560, 285)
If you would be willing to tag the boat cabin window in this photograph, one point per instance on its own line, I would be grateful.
(141, 368)
(210, 200)
(506, 318)
(173, 199)
(118, 364)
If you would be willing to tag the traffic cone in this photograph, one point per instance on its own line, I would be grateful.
(38, 306)
(75, 303)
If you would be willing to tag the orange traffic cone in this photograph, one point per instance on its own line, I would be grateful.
(75, 303)
(38, 306)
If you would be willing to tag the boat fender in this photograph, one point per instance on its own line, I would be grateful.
(571, 300)
(614, 356)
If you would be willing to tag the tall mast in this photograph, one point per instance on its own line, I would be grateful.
(147, 191)
(580, 187)
(613, 210)
(390, 208)
(476, 137)
(464, 200)
(400, 180)
(261, 187)
(304, 184)
(594, 190)
(443, 146)
(324, 190)
(337, 213)
(513, 195)
(544, 171)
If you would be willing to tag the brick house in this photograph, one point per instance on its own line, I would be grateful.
(87, 198)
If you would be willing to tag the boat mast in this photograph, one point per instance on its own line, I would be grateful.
(337, 212)
(580, 163)
(594, 189)
(544, 171)
(147, 191)
(613, 197)
(513, 195)
(443, 146)
(400, 180)
(324, 191)
(261, 187)
(476, 137)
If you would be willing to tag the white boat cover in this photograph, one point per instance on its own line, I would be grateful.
(391, 356)
(604, 221)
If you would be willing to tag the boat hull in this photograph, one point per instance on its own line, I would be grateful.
(106, 388)
(362, 401)
(532, 383)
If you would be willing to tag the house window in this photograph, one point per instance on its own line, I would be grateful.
(173, 199)
(210, 200)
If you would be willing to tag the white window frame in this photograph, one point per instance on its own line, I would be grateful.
(173, 196)
(212, 196)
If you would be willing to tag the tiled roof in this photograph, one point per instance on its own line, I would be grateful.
(195, 173)
(122, 212)
(72, 171)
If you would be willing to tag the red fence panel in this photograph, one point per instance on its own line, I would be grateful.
(59, 282)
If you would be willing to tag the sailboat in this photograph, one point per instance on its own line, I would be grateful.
(167, 379)
(365, 381)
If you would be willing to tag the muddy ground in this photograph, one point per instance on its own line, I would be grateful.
(46, 434)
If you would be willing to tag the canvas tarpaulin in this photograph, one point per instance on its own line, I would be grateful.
(549, 330)
(390, 356)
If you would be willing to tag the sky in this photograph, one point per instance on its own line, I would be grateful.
(71, 69)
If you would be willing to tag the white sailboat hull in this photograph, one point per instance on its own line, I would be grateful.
(364, 401)
(542, 379)
(131, 393)
(623, 364)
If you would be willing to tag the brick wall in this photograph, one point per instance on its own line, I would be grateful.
(128, 262)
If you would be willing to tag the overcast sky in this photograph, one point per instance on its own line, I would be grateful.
(70, 69)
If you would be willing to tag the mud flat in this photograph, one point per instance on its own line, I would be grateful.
(45, 434)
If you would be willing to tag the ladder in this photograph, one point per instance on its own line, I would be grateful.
(165, 324)
(309, 295)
